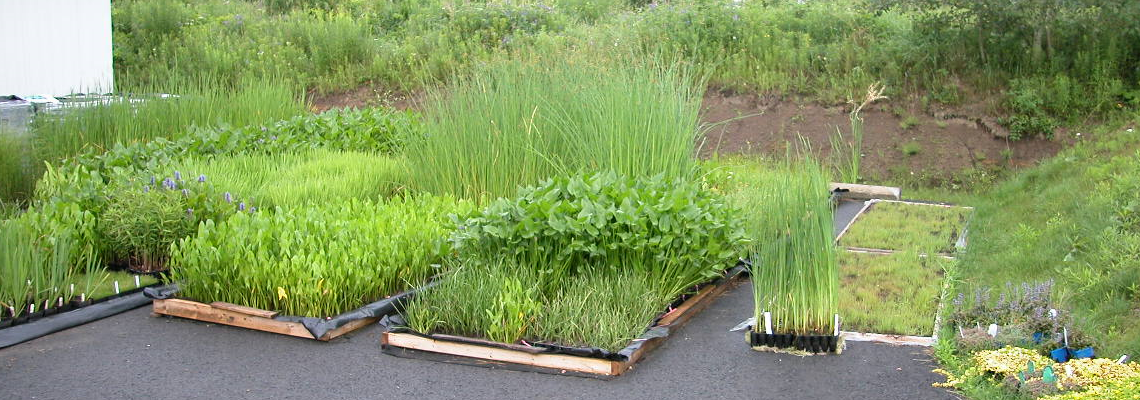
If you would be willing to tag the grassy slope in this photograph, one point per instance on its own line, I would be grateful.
(1067, 220)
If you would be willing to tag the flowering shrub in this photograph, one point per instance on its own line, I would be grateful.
(1025, 370)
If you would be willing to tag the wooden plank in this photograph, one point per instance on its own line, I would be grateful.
(680, 315)
(553, 361)
(346, 328)
(867, 192)
(257, 312)
(204, 312)
(904, 340)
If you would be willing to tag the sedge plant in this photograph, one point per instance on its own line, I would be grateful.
(795, 268)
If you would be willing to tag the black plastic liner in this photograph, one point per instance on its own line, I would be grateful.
(396, 324)
(320, 326)
(808, 343)
(53, 320)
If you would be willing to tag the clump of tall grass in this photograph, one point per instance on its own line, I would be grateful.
(99, 127)
(795, 272)
(316, 261)
(17, 172)
(515, 123)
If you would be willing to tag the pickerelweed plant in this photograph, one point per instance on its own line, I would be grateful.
(515, 123)
(600, 256)
(795, 267)
(318, 260)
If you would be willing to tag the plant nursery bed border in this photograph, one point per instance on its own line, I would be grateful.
(322, 329)
(75, 313)
(401, 341)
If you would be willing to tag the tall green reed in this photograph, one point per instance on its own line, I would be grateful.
(517, 122)
(795, 272)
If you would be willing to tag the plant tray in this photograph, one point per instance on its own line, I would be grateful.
(270, 321)
(959, 243)
(814, 344)
(71, 314)
(592, 363)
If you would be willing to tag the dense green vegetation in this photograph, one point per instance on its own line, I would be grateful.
(318, 260)
(897, 293)
(628, 247)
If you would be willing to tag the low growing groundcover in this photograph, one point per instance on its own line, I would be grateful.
(894, 293)
(889, 225)
(584, 261)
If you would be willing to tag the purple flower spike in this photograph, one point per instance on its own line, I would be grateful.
(189, 212)
(241, 206)
(201, 178)
(152, 180)
(229, 199)
(252, 210)
(186, 192)
(177, 176)
(146, 189)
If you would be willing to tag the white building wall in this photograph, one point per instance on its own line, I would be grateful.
(55, 47)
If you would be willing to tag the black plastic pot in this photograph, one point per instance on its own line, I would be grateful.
(808, 343)
(5, 323)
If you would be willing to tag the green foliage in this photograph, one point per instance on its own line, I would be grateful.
(40, 251)
(309, 177)
(518, 122)
(16, 172)
(140, 221)
(911, 148)
(316, 261)
(585, 261)
(669, 230)
(795, 269)
(1068, 219)
(102, 126)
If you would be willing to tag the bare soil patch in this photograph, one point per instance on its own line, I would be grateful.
(899, 142)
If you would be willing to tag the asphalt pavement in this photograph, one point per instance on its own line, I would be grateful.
(137, 356)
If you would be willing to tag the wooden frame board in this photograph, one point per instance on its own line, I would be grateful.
(472, 352)
(247, 317)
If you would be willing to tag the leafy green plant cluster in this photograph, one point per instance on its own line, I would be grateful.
(795, 266)
(519, 122)
(669, 230)
(890, 225)
(140, 220)
(588, 260)
(318, 260)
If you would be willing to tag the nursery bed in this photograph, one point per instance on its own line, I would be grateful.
(402, 342)
(322, 329)
(956, 240)
(70, 315)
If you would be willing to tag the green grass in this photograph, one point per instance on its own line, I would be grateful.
(516, 123)
(1070, 219)
(897, 293)
(17, 179)
(100, 127)
(907, 227)
(309, 177)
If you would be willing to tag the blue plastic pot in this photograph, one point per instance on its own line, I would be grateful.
(1037, 336)
(1086, 352)
(1060, 355)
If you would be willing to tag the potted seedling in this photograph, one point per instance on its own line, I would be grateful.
(795, 273)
